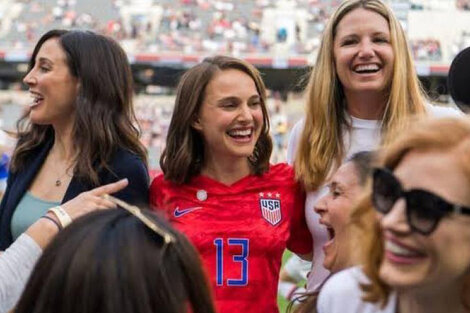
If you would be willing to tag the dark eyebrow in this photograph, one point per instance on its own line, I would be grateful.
(237, 99)
(227, 99)
(45, 60)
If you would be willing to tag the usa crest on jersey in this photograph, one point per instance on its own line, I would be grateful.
(270, 205)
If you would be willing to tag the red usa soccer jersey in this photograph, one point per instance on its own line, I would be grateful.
(240, 231)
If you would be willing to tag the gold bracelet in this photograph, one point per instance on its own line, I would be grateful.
(63, 217)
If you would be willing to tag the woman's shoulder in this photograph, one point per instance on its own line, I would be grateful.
(294, 138)
(298, 126)
(442, 111)
(282, 170)
(158, 182)
(345, 282)
(343, 293)
(121, 154)
(126, 161)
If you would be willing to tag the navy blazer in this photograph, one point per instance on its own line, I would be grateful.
(124, 164)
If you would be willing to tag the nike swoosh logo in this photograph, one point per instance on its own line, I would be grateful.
(180, 212)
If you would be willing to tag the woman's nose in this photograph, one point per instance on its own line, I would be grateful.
(396, 220)
(29, 79)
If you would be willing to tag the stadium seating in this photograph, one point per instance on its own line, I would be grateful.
(281, 33)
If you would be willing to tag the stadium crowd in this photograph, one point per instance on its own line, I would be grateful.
(463, 4)
(374, 193)
(209, 26)
(426, 50)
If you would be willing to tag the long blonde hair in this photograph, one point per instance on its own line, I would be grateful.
(321, 146)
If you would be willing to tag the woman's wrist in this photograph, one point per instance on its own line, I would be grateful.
(61, 216)
(53, 220)
(43, 230)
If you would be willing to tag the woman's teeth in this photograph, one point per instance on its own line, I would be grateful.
(240, 133)
(399, 250)
(36, 99)
(369, 68)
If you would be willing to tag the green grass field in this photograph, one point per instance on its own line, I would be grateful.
(281, 301)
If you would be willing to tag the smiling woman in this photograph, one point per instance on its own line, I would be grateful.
(362, 87)
(77, 135)
(334, 209)
(52, 87)
(413, 228)
(364, 58)
(230, 120)
(219, 189)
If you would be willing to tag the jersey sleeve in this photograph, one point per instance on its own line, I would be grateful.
(155, 193)
(300, 240)
(159, 192)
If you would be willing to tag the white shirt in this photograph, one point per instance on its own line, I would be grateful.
(364, 136)
(342, 293)
(16, 264)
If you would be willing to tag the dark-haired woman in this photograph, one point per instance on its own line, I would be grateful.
(113, 261)
(219, 188)
(17, 262)
(79, 132)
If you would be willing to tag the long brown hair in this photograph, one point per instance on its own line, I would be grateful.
(449, 134)
(184, 153)
(321, 146)
(104, 113)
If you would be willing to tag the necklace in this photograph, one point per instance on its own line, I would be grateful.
(58, 181)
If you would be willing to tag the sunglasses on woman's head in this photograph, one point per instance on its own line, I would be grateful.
(137, 212)
(424, 209)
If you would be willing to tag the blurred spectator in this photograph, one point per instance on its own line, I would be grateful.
(463, 4)
(234, 26)
(426, 49)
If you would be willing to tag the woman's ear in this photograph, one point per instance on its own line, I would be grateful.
(196, 124)
(78, 87)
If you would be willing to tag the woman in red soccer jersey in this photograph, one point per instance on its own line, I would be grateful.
(220, 190)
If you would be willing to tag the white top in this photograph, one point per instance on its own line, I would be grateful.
(16, 264)
(364, 136)
(342, 293)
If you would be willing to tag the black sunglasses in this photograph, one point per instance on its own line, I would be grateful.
(424, 209)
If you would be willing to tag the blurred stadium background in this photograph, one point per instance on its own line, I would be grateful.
(165, 37)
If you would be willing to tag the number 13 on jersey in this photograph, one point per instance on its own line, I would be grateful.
(241, 259)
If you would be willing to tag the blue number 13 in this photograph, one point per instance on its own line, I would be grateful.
(239, 258)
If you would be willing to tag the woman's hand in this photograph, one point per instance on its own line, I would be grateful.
(43, 230)
(92, 200)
